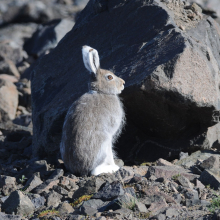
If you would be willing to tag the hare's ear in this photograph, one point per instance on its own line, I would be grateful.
(90, 59)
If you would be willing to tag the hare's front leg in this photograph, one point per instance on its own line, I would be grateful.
(108, 165)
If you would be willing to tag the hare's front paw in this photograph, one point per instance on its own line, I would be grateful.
(104, 169)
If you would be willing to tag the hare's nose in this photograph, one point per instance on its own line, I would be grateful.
(123, 82)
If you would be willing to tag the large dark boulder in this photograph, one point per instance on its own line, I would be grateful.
(168, 55)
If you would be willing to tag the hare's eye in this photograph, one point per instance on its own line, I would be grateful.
(110, 77)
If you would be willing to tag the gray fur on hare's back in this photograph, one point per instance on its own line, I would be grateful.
(93, 122)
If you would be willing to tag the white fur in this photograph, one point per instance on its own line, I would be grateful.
(91, 59)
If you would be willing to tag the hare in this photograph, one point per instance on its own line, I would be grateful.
(93, 122)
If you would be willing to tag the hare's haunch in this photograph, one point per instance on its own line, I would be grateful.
(93, 122)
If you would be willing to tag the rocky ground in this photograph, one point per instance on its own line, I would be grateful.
(41, 188)
(186, 188)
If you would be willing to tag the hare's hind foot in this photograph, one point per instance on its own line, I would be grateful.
(103, 168)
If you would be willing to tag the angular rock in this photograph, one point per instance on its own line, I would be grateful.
(92, 205)
(18, 203)
(33, 182)
(110, 191)
(4, 180)
(65, 208)
(169, 172)
(8, 100)
(210, 163)
(162, 162)
(140, 207)
(53, 199)
(162, 97)
(91, 186)
(56, 174)
(209, 178)
(37, 200)
(8, 189)
(157, 207)
(48, 36)
(60, 190)
(171, 212)
(48, 184)
(185, 182)
(199, 184)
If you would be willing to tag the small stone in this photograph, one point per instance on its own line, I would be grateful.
(119, 162)
(171, 212)
(65, 208)
(110, 191)
(192, 202)
(210, 163)
(199, 184)
(37, 200)
(182, 155)
(157, 207)
(4, 180)
(56, 174)
(185, 182)
(177, 198)
(140, 207)
(60, 190)
(48, 184)
(33, 182)
(205, 203)
(18, 203)
(162, 162)
(53, 199)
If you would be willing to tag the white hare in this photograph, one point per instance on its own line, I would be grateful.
(93, 122)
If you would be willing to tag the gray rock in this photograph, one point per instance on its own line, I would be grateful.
(65, 208)
(169, 172)
(60, 190)
(194, 157)
(110, 191)
(4, 180)
(53, 199)
(91, 186)
(177, 198)
(18, 203)
(192, 202)
(153, 89)
(151, 199)
(33, 182)
(185, 182)
(48, 36)
(93, 205)
(205, 203)
(37, 200)
(140, 207)
(209, 178)
(159, 217)
(56, 174)
(4, 216)
(119, 162)
(183, 155)
(210, 163)
(171, 212)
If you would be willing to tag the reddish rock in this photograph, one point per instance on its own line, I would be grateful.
(8, 99)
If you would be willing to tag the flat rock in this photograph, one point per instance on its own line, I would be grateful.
(140, 207)
(169, 172)
(162, 162)
(18, 203)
